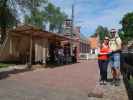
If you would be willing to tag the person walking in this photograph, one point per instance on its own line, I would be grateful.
(103, 59)
(115, 46)
(61, 56)
(75, 55)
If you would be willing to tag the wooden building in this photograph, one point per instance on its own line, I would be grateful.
(94, 44)
(27, 43)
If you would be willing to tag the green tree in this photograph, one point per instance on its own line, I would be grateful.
(36, 19)
(102, 32)
(36, 16)
(8, 12)
(31, 5)
(60, 17)
(55, 17)
(127, 26)
(7, 18)
(50, 14)
(36, 12)
(121, 34)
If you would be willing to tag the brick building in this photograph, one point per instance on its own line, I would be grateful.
(93, 41)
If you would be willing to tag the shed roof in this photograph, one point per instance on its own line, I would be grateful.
(37, 32)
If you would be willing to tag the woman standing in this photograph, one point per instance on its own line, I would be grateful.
(103, 59)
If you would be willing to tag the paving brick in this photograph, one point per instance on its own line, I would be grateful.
(69, 82)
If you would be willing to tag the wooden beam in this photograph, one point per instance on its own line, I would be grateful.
(30, 58)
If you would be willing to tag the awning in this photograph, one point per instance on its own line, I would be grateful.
(38, 33)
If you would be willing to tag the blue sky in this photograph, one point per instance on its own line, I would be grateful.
(91, 13)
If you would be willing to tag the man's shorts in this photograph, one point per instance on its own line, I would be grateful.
(115, 60)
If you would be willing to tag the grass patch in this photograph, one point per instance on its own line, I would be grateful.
(4, 65)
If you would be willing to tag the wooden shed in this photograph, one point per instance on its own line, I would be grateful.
(28, 44)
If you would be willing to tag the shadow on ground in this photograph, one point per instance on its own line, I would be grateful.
(6, 74)
(58, 65)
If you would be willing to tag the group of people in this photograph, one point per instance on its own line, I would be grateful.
(63, 55)
(109, 52)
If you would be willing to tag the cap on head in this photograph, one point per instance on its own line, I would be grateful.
(113, 31)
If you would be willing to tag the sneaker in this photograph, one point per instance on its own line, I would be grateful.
(104, 83)
(100, 79)
(101, 82)
(117, 83)
(113, 82)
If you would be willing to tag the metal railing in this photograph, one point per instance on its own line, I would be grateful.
(127, 70)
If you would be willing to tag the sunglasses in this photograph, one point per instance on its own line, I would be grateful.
(113, 32)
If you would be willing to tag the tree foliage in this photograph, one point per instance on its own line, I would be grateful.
(102, 32)
(31, 5)
(35, 16)
(127, 26)
(50, 14)
(55, 17)
(39, 11)
(7, 18)
(35, 19)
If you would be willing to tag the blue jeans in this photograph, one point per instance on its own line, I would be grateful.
(115, 60)
(103, 66)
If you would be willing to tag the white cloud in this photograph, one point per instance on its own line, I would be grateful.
(91, 13)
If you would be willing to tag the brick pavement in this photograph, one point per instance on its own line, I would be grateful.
(81, 76)
(69, 82)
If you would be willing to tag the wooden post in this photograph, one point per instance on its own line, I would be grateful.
(11, 48)
(30, 58)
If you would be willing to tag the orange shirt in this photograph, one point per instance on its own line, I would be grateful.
(103, 55)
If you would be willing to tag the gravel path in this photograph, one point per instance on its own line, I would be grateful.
(111, 92)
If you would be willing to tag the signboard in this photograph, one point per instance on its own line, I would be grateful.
(68, 27)
(68, 23)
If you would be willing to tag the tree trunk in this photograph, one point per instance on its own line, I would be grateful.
(3, 22)
(3, 34)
